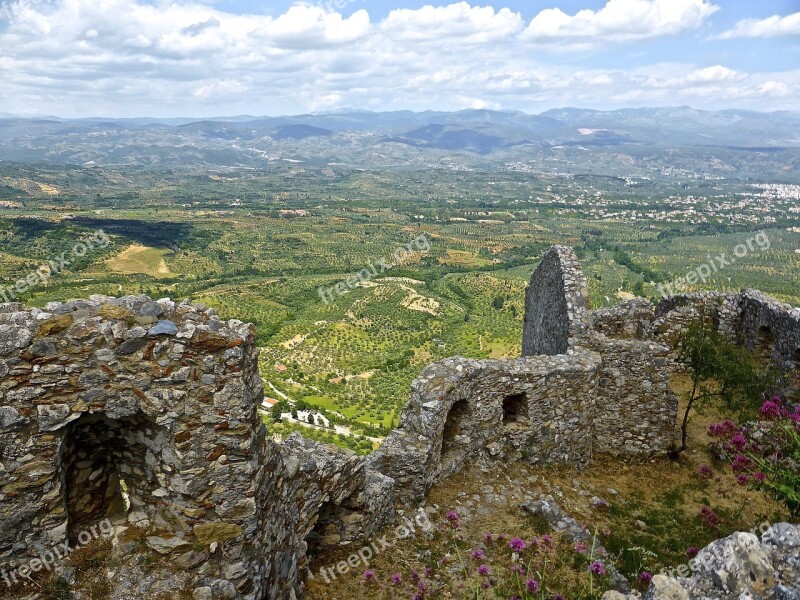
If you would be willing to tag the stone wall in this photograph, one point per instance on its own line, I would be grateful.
(750, 318)
(148, 412)
(632, 411)
(556, 304)
(538, 409)
(164, 398)
(158, 395)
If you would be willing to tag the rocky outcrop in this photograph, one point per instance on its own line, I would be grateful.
(738, 567)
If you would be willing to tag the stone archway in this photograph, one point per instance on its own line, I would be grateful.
(453, 427)
(108, 469)
(764, 343)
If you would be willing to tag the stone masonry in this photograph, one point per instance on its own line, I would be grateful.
(147, 412)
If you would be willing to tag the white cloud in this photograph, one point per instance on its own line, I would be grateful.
(470, 24)
(715, 74)
(770, 27)
(123, 57)
(620, 20)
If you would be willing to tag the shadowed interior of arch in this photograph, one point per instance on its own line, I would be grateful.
(107, 469)
(453, 427)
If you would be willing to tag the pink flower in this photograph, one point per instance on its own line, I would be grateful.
(597, 568)
(452, 516)
(532, 585)
(772, 408)
(692, 551)
(477, 554)
(759, 477)
(483, 570)
(645, 577)
(517, 544)
(706, 472)
(547, 539)
(396, 579)
(709, 517)
(742, 479)
(369, 575)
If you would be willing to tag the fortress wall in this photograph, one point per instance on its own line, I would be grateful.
(634, 411)
(158, 395)
(556, 305)
(537, 409)
(163, 397)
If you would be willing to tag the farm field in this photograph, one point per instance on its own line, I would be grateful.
(356, 281)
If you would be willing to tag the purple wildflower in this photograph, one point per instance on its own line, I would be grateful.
(772, 408)
(597, 568)
(645, 577)
(517, 544)
(478, 554)
(706, 472)
(483, 570)
(692, 551)
(396, 579)
(369, 575)
(532, 585)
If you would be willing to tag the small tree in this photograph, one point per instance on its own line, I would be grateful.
(720, 372)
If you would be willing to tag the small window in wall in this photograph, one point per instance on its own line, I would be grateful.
(765, 342)
(453, 425)
(515, 409)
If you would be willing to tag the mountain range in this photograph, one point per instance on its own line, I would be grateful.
(481, 139)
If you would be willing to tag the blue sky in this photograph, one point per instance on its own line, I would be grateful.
(224, 57)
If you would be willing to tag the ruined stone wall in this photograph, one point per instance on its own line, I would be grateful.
(164, 398)
(160, 400)
(161, 396)
(556, 304)
(632, 411)
(765, 326)
(538, 409)
(635, 413)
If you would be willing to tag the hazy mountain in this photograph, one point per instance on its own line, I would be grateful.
(642, 141)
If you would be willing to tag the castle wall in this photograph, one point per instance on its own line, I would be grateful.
(158, 395)
(160, 401)
(537, 409)
(556, 304)
(634, 411)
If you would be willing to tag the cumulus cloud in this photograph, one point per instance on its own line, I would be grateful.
(770, 27)
(466, 23)
(123, 57)
(621, 20)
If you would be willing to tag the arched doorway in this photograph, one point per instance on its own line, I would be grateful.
(764, 344)
(109, 468)
(453, 427)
